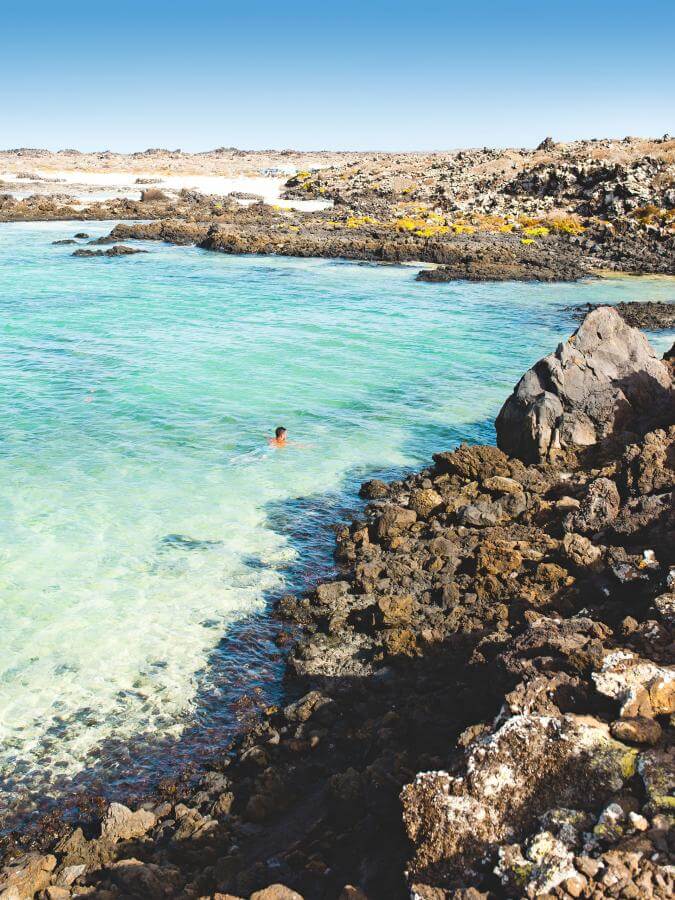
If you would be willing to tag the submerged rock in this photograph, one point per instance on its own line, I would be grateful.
(117, 250)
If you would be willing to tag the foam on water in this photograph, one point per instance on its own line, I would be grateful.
(142, 514)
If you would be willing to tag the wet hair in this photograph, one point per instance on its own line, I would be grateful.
(278, 432)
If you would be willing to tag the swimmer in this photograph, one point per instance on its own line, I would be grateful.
(280, 438)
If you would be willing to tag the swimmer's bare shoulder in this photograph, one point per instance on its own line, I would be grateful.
(280, 440)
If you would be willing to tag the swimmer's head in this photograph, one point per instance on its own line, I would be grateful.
(280, 433)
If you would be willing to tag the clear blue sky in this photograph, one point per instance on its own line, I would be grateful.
(371, 74)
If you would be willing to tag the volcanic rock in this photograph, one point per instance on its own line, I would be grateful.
(117, 250)
(24, 877)
(121, 824)
(598, 382)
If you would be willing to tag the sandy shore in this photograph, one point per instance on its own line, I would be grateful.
(86, 185)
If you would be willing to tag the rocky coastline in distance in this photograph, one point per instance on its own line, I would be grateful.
(480, 706)
(562, 211)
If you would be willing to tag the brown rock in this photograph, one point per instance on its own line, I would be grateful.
(276, 892)
(424, 502)
(395, 518)
(580, 551)
(24, 877)
(223, 804)
(400, 642)
(662, 695)
(550, 573)
(474, 463)
(75, 850)
(374, 490)
(121, 824)
(395, 610)
(575, 886)
(349, 892)
(304, 708)
(53, 892)
(152, 195)
(498, 484)
(587, 865)
(498, 558)
(636, 730)
(564, 504)
(598, 507)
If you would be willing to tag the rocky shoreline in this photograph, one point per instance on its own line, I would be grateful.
(559, 212)
(650, 314)
(479, 706)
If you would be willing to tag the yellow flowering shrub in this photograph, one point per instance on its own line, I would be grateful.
(536, 231)
(566, 225)
(358, 221)
(408, 224)
(432, 231)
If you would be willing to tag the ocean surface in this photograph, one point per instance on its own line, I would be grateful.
(146, 525)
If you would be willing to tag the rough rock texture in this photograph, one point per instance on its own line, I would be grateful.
(649, 314)
(117, 250)
(24, 878)
(598, 382)
(478, 706)
(530, 765)
(121, 824)
(497, 260)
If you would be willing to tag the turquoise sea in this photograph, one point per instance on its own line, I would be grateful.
(145, 524)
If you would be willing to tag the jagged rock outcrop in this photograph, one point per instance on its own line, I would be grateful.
(603, 380)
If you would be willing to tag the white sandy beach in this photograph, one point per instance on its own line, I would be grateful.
(87, 185)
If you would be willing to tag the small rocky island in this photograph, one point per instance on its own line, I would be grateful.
(481, 704)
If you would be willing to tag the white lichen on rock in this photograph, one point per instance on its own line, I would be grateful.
(529, 766)
(642, 687)
(545, 864)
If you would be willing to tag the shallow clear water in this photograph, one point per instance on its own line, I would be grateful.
(145, 523)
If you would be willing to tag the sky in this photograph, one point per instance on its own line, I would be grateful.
(332, 74)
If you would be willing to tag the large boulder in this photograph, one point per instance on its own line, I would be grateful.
(533, 763)
(605, 378)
